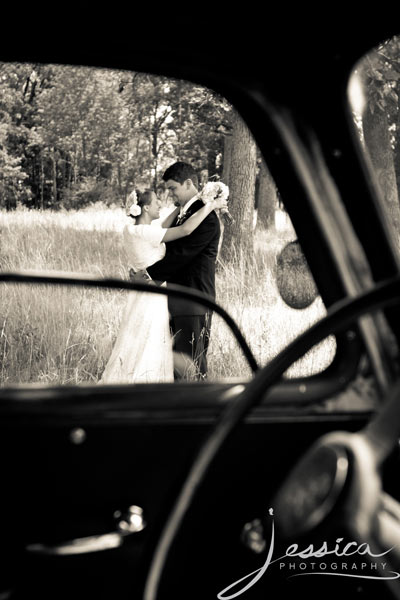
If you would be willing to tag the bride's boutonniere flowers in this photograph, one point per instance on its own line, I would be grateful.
(213, 190)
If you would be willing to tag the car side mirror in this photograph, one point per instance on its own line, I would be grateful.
(294, 281)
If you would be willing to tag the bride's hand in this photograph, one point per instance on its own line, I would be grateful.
(220, 203)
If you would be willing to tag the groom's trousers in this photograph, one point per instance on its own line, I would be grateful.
(192, 336)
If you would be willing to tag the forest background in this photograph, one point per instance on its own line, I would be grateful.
(72, 136)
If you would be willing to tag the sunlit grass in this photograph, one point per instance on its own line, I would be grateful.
(249, 293)
(64, 335)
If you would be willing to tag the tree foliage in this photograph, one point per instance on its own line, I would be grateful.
(72, 135)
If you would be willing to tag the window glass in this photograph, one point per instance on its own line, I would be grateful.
(79, 148)
(374, 99)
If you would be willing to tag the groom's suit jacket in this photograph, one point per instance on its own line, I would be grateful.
(190, 261)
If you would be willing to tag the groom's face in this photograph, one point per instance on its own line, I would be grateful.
(180, 192)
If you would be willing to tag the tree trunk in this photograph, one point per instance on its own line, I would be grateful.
(238, 237)
(54, 162)
(226, 168)
(75, 160)
(84, 156)
(119, 182)
(266, 199)
(154, 153)
(179, 103)
(397, 144)
(377, 142)
(71, 172)
(41, 182)
(211, 163)
(63, 168)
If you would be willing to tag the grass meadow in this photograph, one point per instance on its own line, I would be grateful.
(60, 335)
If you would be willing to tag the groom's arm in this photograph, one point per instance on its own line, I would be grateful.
(181, 252)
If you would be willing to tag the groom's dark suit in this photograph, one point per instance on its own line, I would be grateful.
(190, 261)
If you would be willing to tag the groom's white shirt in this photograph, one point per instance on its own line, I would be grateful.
(189, 203)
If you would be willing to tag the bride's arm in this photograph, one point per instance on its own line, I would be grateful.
(174, 233)
(170, 218)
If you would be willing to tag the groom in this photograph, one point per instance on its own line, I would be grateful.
(189, 261)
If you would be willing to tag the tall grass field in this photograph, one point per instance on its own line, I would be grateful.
(60, 335)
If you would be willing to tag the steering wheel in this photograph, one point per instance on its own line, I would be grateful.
(343, 459)
(340, 473)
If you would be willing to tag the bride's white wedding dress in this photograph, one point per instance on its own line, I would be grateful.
(142, 352)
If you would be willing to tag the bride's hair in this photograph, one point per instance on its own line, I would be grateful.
(142, 199)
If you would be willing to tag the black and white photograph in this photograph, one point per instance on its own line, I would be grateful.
(200, 313)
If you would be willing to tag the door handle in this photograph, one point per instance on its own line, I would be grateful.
(129, 522)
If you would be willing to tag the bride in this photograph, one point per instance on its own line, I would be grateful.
(142, 352)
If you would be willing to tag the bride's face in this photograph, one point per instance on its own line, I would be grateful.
(154, 207)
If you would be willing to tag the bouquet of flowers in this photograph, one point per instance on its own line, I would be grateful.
(213, 190)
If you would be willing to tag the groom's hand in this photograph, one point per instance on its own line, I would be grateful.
(141, 275)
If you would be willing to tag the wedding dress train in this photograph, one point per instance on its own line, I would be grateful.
(142, 352)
